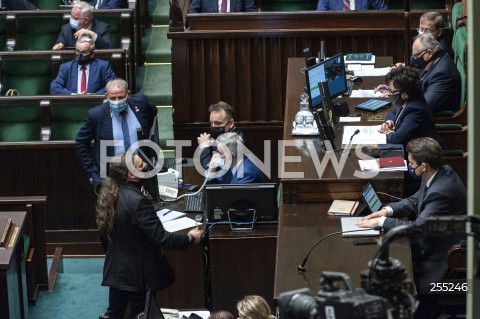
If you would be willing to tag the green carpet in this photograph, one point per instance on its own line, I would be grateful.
(161, 13)
(160, 47)
(157, 84)
(78, 292)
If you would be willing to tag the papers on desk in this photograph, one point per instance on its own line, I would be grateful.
(367, 70)
(174, 221)
(349, 119)
(365, 93)
(369, 135)
(373, 166)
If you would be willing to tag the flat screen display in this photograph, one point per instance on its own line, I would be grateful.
(331, 71)
(371, 199)
(222, 198)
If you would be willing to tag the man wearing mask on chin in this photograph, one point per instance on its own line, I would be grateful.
(85, 74)
(441, 82)
(222, 120)
(410, 118)
(83, 23)
(441, 193)
(122, 121)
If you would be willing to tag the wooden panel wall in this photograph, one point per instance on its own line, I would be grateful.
(242, 59)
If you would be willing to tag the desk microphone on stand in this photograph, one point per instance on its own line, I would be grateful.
(301, 267)
(346, 151)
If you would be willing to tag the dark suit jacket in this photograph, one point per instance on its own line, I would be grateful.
(442, 85)
(251, 174)
(415, 121)
(324, 5)
(66, 81)
(211, 6)
(104, 37)
(133, 255)
(98, 127)
(207, 153)
(445, 196)
(111, 4)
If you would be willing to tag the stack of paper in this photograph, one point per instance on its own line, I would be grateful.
(373, 165)
(173, 221)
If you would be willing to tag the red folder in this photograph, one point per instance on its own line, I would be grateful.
(395, 161)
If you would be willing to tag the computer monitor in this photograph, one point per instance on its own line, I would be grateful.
(332, 71)
(220, 199)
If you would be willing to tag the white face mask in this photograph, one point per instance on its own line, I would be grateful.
(421, 32)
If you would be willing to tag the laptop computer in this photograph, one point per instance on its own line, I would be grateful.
(350, 230)
(371, 199)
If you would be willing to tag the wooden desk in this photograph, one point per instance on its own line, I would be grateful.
(312, 187)
(305, 201)
(13, 291)
(241, 263)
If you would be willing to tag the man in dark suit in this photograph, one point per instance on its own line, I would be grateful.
(441, 193)
(114, 126)
(222, 120)
(85, 71)
(441, 82)
(434, 23)
(214, 6)
(83, 23)
(338, 5)
(134, 238)
(109, 4)
(230, 165)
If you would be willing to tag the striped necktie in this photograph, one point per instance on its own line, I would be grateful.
(346, 5)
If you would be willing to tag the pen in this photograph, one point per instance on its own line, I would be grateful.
(167, 212)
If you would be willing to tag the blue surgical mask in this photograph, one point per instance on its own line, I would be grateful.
(221, 163)
(118, 106)
(414, 176)
(74, 24)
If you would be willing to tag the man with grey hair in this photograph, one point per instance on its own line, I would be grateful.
(434, 23)
(83, 23)
(235, 167)
(441, 82)
(123, 117)
(84, 75)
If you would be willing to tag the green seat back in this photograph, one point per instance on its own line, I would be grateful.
(28, 76)
(114, 22)
(47, 4)
(19, 122)
(448, 127)
(67, 118)
(289, 5)
(458, 45)
(37, 32)
(457, 11)
(452, 152)
(415, 4)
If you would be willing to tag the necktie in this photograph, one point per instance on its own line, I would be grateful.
(346, 4)
(83, 86)
(223, 7)
(126, 132)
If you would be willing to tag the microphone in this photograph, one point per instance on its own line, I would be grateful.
(346, 151)
(301, 267)
(321, 53)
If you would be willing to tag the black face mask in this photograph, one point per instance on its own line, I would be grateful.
(216, 131)
(83, 59)
(396, 100)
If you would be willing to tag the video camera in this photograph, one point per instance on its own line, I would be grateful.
(332, 302)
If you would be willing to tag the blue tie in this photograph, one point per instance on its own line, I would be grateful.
(126, 132)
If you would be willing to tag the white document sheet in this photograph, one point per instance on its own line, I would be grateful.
(369, 135)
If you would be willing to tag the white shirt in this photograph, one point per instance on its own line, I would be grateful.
(220, 5)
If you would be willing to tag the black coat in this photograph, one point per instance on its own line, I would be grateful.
(132, 260)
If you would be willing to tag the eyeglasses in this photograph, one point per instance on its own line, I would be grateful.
(84, 53)
(392, 92)
(419, 54)
(421, 30)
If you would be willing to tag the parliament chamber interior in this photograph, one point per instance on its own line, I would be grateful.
(184, 62)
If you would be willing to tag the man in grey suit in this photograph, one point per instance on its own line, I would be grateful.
(441, 193)
(216, 6)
